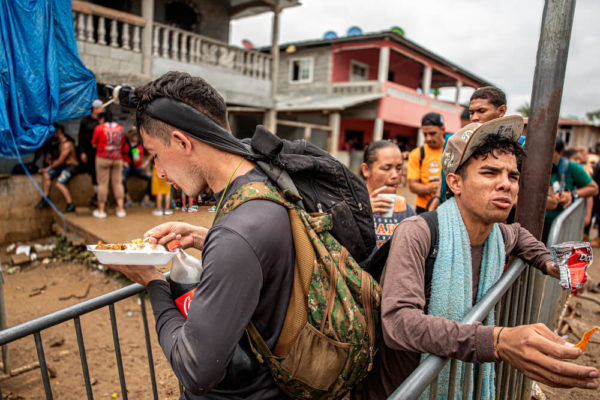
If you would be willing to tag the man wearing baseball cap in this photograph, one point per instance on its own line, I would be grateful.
(424, 163)
(419, 317)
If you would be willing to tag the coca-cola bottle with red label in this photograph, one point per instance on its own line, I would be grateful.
(185, 276)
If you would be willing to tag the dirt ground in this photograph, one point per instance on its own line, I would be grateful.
(55, 282)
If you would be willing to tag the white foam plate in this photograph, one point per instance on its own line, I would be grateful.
(159, 255)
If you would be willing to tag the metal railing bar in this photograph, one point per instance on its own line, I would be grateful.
(478, 382)
(43, 367)
(452, 379)
(433, 389)
(148, 347)
(83, 357)
(115, 332)
(416, 383)
(67, 313)
(467, 384)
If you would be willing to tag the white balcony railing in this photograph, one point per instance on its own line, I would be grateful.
(352, 88)
(107, 27)
(180, 45)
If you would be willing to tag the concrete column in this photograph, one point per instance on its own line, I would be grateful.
(307, 133)
(384, 64)
(148, 14)
(427, 71)
(458, 88)
(334, 136)
(271, 115)
(378, 130)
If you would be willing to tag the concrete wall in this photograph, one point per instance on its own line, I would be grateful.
(321, 72)
(213, 17)
(19, 220)
(234, 87)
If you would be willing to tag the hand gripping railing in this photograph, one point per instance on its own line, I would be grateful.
(520, 296)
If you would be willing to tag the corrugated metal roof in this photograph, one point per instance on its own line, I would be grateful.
(324, 102)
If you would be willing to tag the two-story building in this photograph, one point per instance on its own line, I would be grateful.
(134, 41)
(345, 92)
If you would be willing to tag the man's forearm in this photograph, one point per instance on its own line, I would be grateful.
(419, 188)
(587, 191)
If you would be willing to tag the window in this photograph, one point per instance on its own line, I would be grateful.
(301, 70)
(358, 71)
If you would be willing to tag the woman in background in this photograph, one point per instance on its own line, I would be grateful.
(382, 171)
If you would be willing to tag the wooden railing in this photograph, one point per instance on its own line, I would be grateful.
(180, 45)
(105, 26)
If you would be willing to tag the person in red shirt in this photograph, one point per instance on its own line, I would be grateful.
(108, 140)
(134, 165)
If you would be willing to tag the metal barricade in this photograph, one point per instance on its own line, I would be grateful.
(521, 296)
(74, 312)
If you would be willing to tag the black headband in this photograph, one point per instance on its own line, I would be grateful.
(196, 124)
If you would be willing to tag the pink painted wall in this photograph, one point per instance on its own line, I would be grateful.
(407, 72)
(409, 113)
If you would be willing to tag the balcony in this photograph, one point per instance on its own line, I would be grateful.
(111, 44)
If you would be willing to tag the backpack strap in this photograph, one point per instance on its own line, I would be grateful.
(432, 222)
(422, 155)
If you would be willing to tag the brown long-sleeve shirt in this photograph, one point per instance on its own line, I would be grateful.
(408, 331)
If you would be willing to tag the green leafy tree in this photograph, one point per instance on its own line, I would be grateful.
(524, 110)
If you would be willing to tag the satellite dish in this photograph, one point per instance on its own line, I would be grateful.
(354, 31)
(330, 35)
(247, 44)
(397, 30)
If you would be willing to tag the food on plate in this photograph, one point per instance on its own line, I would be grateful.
(115, 246)
(135, 245)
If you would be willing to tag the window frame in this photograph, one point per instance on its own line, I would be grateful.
(310, 70)
(360, 65)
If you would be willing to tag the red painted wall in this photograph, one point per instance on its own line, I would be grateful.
(342, 60)
(356, 124)
(407, 72)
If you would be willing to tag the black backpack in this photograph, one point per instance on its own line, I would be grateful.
(316, 181)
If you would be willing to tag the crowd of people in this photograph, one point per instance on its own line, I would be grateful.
(109, 155)
(434, 273)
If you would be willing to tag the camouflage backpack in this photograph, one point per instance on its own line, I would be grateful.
(327, 342)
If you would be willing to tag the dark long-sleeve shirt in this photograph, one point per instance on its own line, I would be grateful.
(248, 261)
(408, 331)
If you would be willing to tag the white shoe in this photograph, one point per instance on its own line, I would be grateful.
(158, 212)
(98, 214)
(168, 211)
(121, 214)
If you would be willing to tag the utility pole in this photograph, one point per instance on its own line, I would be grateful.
(548, 80)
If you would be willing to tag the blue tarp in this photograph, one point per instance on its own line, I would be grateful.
(42, 79)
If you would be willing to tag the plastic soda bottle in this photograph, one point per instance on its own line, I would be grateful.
(185, 276)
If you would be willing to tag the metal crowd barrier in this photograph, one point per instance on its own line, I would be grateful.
(36, 326)
(521, 296)
(510, 296)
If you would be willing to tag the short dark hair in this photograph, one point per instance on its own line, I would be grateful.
(490, 146)
(568, 153)
(465, 115)
(180, 86)
(490, 93)
(370, 154)
(59, 127)
(559, 146)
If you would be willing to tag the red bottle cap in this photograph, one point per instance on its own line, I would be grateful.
(173, 245)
